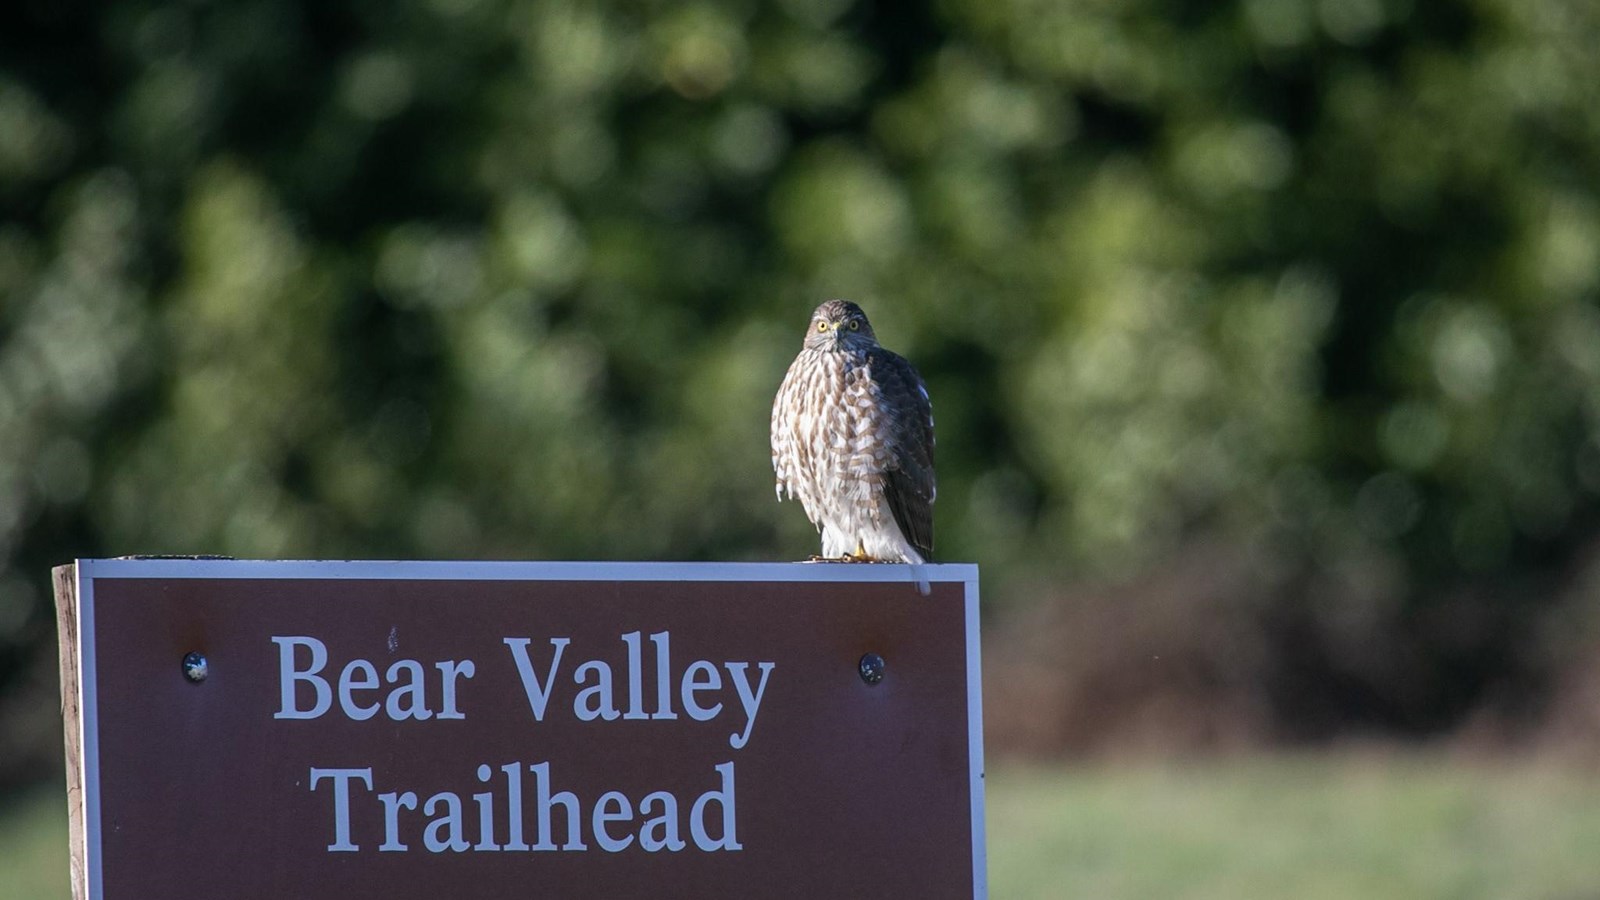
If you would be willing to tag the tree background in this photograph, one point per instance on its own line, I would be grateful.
(1262, 335)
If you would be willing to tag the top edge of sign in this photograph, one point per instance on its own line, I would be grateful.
(507, 570)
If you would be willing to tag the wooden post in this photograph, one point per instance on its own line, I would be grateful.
(65, 579)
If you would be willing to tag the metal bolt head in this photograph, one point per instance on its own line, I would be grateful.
(871, 668)
(194, 667)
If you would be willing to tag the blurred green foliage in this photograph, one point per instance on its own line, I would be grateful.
(518, 278)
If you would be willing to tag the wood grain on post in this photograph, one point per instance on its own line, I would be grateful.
(65, 579)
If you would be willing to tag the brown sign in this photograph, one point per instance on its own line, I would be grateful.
(513, 730)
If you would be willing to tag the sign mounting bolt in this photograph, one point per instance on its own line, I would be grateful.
(871, 668)
(196, 669)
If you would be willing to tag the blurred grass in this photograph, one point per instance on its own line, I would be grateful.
(33, 845)
(1411, 827)
(1308, 828)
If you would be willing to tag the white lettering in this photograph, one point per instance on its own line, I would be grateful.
(391, 819)
(602, 818)
(449, 671)
(635, 676)
(288, 675)
(723, 798)
(538, 694)
(541, 779)
(614, 820)
(347, 684)
(599, 703)
(693, 684)
(341, 803)
(514, 805)
(450, 821)
(666, 823)
(751, 702)
(485, 813)
(418, 707)
(662, 640)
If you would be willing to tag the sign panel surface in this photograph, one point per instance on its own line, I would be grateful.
(498, 730)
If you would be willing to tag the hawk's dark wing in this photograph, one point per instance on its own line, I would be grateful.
(909, 483)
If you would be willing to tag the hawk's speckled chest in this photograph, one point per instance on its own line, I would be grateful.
(836, 440)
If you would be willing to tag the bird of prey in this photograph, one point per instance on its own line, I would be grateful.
(852, 437)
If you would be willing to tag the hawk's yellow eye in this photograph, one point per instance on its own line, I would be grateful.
(855, 324)
(822, 326)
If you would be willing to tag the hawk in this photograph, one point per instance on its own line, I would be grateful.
(852, 437)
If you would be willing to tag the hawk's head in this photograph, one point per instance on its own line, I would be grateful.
(839, 325)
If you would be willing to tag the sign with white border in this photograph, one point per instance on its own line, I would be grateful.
(513, 729)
